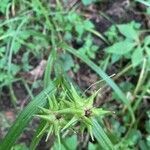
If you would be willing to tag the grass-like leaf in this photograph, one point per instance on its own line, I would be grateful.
(101, 136)
(24, 118)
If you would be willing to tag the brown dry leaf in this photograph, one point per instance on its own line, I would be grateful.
(36, 73)
(39, 70)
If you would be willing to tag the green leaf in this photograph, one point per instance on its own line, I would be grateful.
(88, 24)
(37, 136)
(100, 112)
(146, 40)
(133, 137)
(115, 58)
(101, 136)
(143, 145)
(88, 48)
(67, 61)
(16, 47)
(14, 69)
(112, 34)
(148, 11)
(79, 29)
(68, 36)
(71, 142)
(121, 48)
(148, 114)
(145, 2)
(87, 2)
(3, 5)
(92, 146)
(73, 17)
(25, 61)
(137, 56)
(48, 69)
(128, 31)
(70, 123)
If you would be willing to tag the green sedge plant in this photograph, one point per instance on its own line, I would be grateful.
(66, 112)
(59, 106)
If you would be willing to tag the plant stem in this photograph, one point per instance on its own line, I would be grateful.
(126, 69)
(141, 96)
(140, 81)
(12, 95)
(98, 35)
(28, 89)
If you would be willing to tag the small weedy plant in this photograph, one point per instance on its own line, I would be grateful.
(128, 43)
